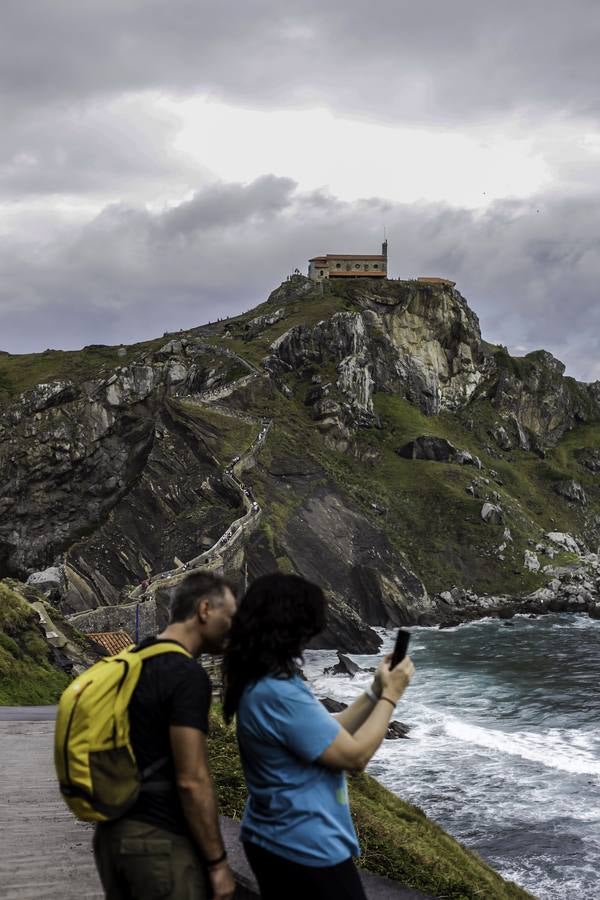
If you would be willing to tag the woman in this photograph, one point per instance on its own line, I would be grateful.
(297, 830)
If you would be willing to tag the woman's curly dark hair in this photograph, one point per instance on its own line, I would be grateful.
(276, 619)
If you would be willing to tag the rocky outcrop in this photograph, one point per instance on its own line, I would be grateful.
(260, 323)
(101, 459)
(571, 490)
(431, 448)
(344, 666)
(590, 458)
(537, 403)
(418, 341)
(492, 514)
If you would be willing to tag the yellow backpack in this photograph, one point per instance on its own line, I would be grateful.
(98, 775)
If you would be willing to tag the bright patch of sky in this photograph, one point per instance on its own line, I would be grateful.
(354, 159)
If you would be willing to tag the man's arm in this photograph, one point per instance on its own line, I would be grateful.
(199, 802)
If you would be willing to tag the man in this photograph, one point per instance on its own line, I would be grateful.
(169, 844)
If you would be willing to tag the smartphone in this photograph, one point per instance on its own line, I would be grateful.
(400, 647)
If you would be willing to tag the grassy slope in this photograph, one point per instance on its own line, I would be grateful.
(27, 677)
(20, 372)
(397, 839)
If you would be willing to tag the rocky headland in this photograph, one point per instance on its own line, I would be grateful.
(363, 435)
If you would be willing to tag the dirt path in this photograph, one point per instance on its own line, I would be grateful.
(46, 853)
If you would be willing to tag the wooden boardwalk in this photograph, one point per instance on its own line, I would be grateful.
(46, 854)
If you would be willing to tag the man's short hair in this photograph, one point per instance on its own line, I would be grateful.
(193, 589)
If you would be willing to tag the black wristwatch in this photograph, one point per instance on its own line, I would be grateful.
(211, 863)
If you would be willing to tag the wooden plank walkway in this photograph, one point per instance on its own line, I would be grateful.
(46, 853)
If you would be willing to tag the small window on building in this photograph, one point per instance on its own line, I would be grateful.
(375, 266)
(348, 267)
(357, 265)
(321, 272)
(366, 267)
(338, 265)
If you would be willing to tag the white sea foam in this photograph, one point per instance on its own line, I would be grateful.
(553, 749)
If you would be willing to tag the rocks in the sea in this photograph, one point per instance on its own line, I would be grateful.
(344, 666)
(333, 706)
(571, 490)
(492, 514)
(395, 731)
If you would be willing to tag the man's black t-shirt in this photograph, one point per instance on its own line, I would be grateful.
(172, 690)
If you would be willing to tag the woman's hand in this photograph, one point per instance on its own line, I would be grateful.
(377, 684)
(395, 681)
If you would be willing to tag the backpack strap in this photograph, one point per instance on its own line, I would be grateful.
(157, 650)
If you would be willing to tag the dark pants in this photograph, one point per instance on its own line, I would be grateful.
(279, 878)
(136, 861)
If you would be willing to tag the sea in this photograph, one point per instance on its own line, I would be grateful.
(504, 746)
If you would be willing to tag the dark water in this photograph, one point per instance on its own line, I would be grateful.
(505, 746)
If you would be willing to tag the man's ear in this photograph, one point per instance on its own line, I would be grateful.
(203, 608)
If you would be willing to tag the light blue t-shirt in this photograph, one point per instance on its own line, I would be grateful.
(297, 808)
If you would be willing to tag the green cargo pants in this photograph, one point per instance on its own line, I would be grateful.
(136, 861)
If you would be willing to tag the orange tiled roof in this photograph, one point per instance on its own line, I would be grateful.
(377, 256)
(113, 641)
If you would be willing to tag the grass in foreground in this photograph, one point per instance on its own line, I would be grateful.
(397, 839)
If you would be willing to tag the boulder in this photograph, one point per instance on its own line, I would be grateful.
(397, 730)
(426, 447)
(333, 706)
(531, 562)
(502, 437)
(51, 581)
(344, 666)
(465, 458)
(564, 540)
(492, 514)
(590, 458)
(571, 490)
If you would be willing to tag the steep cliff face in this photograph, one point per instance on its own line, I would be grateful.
(420, 343)
(130, 467)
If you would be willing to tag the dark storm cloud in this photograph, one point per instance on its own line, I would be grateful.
(390, 58)
(530, 270)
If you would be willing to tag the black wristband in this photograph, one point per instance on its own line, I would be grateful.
(388, 700)
(211, 863)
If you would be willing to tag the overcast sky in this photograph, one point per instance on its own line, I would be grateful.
(165, 164)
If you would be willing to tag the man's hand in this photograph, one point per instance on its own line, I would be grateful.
(222, 881)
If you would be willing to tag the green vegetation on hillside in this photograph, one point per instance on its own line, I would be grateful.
(21, 372)
(27, 676)
(397, 839)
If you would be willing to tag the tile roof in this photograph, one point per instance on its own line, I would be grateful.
(113, 641)
(378, 256)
